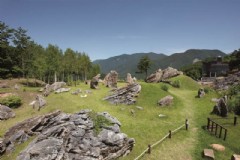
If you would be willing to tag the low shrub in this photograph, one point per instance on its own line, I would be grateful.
(11, 101)
(164, 87)
(176, 84)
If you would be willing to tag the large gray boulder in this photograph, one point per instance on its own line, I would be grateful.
(162, 75)
(6, 112)
(221, 107)
(62, 136)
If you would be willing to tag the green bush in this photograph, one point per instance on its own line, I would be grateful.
(206, 90)
(176, 84)
(12, 101)
(164, 87)
(234, 104)
(99, 121)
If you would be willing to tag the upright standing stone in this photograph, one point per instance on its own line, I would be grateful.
(111, 79)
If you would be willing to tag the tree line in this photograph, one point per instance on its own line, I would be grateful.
(20, 56)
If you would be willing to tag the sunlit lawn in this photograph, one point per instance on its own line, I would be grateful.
(146, 127)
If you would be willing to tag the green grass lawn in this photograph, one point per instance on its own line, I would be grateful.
(146, 127)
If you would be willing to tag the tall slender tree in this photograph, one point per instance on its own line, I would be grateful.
(144, 64)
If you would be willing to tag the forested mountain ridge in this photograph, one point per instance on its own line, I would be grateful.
(125, 63)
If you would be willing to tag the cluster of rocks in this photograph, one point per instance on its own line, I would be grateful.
(124, 95)
(221, 107)
(165, 101)
(161, 75)
(6, 112)
(53, 87)
(68, 136)
(111, 79)
(222, 83)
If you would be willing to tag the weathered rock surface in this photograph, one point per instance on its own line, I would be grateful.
(224, 83)
(165, 101)
(129, 79)
(6, 112)
(201, 93)
(221, 107)
(94, 82)
(124, 95)
(208, 153)
(53, 87)
(161, 75)
(111, 79)
(60, 90)
(39, 102)
(62, 136)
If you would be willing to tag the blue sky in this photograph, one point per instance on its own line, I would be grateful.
(105, 28)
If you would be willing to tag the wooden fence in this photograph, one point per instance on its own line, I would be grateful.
(217, 129)
(169, 135)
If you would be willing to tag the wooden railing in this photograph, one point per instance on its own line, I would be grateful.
(217, 129)
(169, 135)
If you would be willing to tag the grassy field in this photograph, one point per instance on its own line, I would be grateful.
(146, 127)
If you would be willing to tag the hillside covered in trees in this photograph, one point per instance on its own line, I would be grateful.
(22, 57)
(125, 63)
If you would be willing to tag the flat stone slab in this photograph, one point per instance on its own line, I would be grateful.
(208, 153)
(218, 147)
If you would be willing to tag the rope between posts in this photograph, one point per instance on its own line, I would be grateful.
(158, 142)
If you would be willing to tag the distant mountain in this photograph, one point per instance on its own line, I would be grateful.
(125, 63)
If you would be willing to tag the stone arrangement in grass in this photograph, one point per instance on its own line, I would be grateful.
(83, 135)
(124, 95)
(162, 75)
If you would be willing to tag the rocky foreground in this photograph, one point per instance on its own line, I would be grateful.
(62, 136)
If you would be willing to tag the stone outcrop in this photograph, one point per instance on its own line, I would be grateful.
(94, 82)
(124, 95)
(53, 87)
(6, 112)
(165, 101)
(224, 83)
(68, 136)
(221, 107)
(60, 90)
(111, 79)
(129, 79)
(162, 75)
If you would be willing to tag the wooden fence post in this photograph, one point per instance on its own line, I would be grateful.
(149, 149)
(235, 120)
(170, 134)
(186, 124)
(216, 129)
(225, 135)
(208, 123)
(220, 134)
(212, 126)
